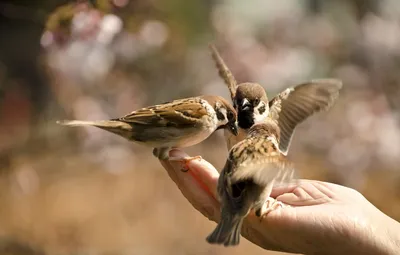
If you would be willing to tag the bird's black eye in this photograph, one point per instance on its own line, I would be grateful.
(256, 101)
(230, 115)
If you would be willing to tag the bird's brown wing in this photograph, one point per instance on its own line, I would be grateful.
(266, 170)
(259, 160)
(178, 113)
(224, 71)
(294, 105)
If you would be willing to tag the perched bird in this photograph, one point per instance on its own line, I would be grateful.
(247, 179)
(257, 156)
(176, 124)
(289, 108)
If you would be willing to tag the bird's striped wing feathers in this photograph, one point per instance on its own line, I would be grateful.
(264, 171)
(224, 71)
(178, 113)
(294, 105)
(258, 159)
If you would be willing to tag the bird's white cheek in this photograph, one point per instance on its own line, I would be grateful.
(258, 118)
(213, 122)
(224, 120)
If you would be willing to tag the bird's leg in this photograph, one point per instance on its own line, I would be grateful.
(270, 205)
(161, 153)
(185, 161)
(155, 152)
(266, 203)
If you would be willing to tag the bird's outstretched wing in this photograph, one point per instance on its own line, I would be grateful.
(224, 71)
(293, 105)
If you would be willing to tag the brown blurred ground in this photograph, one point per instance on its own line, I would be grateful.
(84, 191)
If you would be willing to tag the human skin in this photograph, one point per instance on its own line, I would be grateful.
(321, 218)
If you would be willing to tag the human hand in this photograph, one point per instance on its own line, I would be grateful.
(323, 218)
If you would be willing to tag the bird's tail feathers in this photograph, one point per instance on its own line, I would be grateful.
(227, 231)
(98, 123)
(113, 126)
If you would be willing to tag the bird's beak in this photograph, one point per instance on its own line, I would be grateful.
(245, 105)
(233, 127)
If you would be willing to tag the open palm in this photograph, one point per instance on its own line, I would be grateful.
(319, 217)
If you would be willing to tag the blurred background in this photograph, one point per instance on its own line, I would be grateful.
(85, 191)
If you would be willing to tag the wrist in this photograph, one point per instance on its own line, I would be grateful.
(368, 233)
(380, 235)
(388, 232)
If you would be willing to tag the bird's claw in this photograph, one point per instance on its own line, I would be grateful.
(185, 161)
(270, 205)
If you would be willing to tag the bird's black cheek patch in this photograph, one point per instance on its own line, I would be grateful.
(220, 115)
(262, 109)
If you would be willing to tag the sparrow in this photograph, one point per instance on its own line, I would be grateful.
(289, 108)
(176, 124)
(245, 183)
